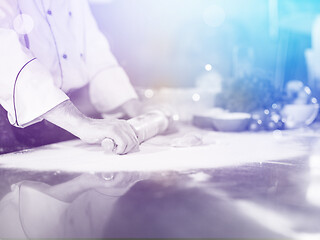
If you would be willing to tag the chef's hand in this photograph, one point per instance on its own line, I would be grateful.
(118, 131)
(89, 130)
(112, 184)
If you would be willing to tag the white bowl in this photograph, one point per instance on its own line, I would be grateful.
(231, 122)
(299, 115)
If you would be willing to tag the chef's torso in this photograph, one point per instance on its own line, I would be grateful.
(57, 39)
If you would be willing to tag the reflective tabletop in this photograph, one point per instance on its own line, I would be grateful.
(270, 198)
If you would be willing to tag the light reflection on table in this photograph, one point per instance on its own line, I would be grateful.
(272, 199)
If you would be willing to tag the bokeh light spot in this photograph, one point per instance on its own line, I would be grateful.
(208, 67)
(196, 97)
(148, 93)
(307, 90)
(176, 117)
(23, 24)
(314, 100)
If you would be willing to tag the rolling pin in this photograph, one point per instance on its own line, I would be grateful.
(145, 127)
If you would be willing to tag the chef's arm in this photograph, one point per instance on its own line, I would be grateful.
(131, 108)
(70, 190)
(135, 107)
(110, 89)
(90, 130)
(118, 184)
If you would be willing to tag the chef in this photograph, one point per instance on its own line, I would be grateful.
(51, 47)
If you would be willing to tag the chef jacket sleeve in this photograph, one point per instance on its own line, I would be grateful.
(27, 89)
(109, 84)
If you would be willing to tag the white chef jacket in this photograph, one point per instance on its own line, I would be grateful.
(49, 47)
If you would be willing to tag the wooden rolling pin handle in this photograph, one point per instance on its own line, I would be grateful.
(108, 145)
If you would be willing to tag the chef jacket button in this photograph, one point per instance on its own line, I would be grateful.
(49, 12)
(65, 56)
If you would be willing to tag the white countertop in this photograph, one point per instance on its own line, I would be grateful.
(218, 150)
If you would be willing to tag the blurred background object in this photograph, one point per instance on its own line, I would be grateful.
(313, 57)
(169, 42)
(300, 107)
(198, 55)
